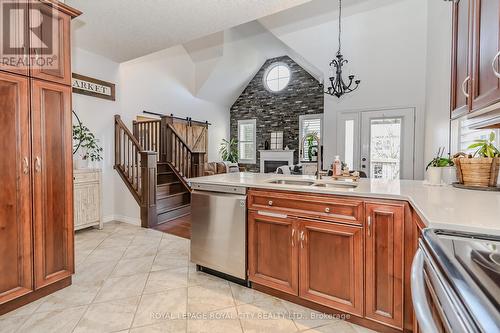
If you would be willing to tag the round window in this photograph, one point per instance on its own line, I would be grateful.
(277, 77)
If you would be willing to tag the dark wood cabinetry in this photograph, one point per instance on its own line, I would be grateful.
(15, 203)
(349, 258)
(485, 52)
(460, 85)
(15, 58)
(272, 257)
(56, 32)
(53, 183)
(331, 265)
(384, 263)
(475, 50)
(36, 202)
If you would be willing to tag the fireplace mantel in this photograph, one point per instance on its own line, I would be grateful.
(275, 155)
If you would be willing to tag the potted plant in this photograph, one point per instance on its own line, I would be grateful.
(228, 150)
(86, 146)
(480, 169)
(439, 169)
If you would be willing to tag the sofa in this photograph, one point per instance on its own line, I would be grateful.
(215, 168)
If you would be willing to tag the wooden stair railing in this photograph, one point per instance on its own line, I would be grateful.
(148, 134)
(138, 169)
(176, 151)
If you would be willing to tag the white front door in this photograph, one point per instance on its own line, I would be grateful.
(380, 143)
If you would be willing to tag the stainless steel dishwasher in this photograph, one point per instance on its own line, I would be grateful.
(218, 235)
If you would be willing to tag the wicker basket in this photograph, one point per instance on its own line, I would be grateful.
(481, 172)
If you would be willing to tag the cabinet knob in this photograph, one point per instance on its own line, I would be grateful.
(327, 210)
(270, 203)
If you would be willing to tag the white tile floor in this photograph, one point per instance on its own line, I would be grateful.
(135, 280)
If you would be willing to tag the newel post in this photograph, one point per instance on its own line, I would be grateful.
(149, 216)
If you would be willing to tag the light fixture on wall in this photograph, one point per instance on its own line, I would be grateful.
(338, 86)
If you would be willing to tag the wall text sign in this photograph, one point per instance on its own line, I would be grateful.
(93, 87)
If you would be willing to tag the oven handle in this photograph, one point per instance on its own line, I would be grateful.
(418, 294)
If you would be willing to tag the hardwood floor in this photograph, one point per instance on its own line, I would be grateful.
(179, 227)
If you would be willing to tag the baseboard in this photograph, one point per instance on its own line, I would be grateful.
(124, 219)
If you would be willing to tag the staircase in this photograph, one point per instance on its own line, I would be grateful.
(155, 161)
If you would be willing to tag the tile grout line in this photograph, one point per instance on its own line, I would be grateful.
(143, 288)
(93, 299)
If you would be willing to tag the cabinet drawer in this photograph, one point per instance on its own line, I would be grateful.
(86, 177)
(326, 208)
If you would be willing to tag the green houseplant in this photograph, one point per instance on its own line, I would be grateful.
(480, 169)
(312, 148)
(228, 150)
(437, 167)
(85, 144)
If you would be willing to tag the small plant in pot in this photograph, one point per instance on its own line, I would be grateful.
(85, 145)
(436, 167)
(480, 169)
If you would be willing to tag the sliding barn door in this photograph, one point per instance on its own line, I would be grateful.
(53, 182)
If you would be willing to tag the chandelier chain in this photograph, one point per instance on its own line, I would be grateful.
(340, 26)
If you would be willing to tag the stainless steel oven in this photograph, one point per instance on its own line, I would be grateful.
(455, 282)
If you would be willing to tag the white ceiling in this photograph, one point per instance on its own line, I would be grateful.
(127, 29)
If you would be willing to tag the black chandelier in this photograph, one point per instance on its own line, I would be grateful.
(338, 86)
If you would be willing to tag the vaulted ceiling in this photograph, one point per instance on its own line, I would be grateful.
(127, 29)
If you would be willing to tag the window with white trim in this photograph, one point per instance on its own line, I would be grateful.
(247, 146)
(277, 77)
(310, 124)
(468, 136)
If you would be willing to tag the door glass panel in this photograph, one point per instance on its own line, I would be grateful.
(349, 144)
(385, 148)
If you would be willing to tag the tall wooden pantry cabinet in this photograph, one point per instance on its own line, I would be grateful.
(36, 180)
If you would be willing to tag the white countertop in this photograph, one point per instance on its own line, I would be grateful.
(442, 207)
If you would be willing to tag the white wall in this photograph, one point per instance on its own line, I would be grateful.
(438, 77)
(385, 43)
(97, 114)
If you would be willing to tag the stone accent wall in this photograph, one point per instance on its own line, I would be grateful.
(278, 111)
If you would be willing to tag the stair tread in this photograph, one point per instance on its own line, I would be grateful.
(166, 196)
(164, 173)
(167, 184)
(171, 209)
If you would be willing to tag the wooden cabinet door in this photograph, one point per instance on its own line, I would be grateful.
(14, 50)
(486, 48)
(384, 263)
(15, 196)
(331, 265)
(273, 252)
(460, 63)
(52, 48)
(53, 182)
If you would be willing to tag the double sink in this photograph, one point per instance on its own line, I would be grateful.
(305, 182)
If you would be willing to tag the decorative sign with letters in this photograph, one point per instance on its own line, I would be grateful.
(92, 87)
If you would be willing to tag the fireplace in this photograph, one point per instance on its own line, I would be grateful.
(271, 166)
(270, 160)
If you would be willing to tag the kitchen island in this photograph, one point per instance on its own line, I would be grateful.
(442, 207)
(347, 249)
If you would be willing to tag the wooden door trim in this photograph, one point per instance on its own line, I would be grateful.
(355, 233)
(290, 287)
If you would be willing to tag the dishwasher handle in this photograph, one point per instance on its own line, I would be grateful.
(418, 294)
